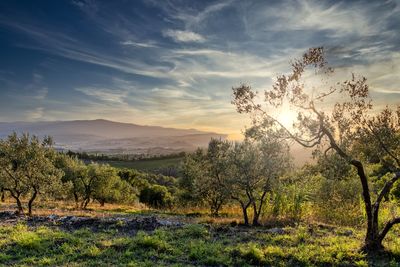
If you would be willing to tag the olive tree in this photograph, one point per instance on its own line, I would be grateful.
(336, 117)
(98, 182)
(74, 171)
(255, 169)
(27, 168)
(108, 186)
(156, 196)
(84, 182)
(206, 174)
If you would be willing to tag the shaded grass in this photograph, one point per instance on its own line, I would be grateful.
(191, 245)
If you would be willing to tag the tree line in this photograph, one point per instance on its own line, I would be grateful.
(122, 157)
(256, 175)
(30, 167)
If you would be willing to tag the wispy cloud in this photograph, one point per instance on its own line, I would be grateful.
(139, 44)
(41, 94)
(192, 18)
(184, 36)
(174, 62)
(204, 52)
(35, 114)
(68, 47)
(107, 95)
(338, 18)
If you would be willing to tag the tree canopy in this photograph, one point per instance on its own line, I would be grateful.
(27, 168)
(335, 117)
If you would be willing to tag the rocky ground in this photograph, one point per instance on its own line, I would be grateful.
(126, 224)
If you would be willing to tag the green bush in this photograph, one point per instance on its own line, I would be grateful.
(156, 196)
(338, 201)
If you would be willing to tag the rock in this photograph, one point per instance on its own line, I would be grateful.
(276, 231)
(165, 223)
(66, 219)
(8, 215)
(169, 223)
(346, 233)
(52, 217)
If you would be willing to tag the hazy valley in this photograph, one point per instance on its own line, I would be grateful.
(103, 136)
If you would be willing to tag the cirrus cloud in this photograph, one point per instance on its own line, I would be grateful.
(184, 36)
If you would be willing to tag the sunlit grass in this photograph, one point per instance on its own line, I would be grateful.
(204, 241)
(191, 245)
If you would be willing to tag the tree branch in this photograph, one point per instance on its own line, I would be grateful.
(387, 227)
(384, 146)
(305, 143)
(386, 189)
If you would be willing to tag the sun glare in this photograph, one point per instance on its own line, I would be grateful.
(287, 117)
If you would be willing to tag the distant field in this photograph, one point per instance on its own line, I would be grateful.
(146, 165)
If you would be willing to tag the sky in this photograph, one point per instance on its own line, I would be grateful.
(173, 63)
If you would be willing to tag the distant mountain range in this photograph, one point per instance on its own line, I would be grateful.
(103, 136)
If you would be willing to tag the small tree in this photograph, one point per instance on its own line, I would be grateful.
(93, 182)
(74, 170)
(107, 185)
(27, 168)
(339, 129)
(156, 196)
(255, 168)
(206, 174)
(98, 182)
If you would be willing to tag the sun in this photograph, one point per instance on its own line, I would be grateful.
(286, 116)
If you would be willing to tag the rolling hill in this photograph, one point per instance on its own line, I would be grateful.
(103, 136)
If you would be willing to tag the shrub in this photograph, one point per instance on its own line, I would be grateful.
(156, 196)
(252, 254)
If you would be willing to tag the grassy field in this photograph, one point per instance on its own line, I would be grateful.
(146, 165)
(197, 242)
(190, 245)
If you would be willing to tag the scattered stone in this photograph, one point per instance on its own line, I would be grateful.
(276, 231)
(129, 224)
(346, 233)
(65, 219)
(53, 217)
(8, 215)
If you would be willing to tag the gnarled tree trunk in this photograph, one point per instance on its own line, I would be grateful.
(3, 195)
(76, 198)
(257, 210)
(215, 206)
(374, 237)
(31, 200)
(16, 196)
(244, 207)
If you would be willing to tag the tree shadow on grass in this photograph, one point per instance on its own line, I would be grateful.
(383, 258)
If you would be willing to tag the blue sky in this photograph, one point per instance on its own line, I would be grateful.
(173, 63)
